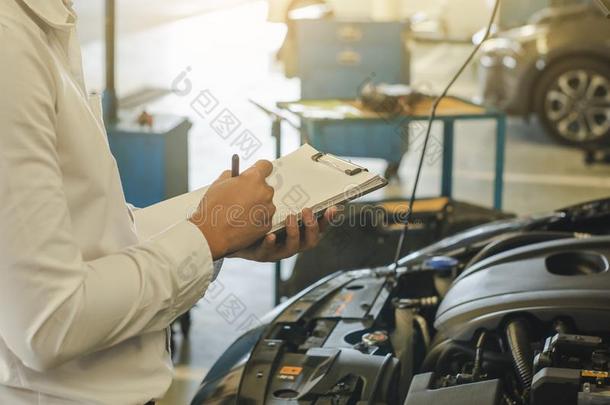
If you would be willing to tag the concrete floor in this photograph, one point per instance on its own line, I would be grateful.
(230, 53)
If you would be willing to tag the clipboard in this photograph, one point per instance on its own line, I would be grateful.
(323, 179)
(347, 167)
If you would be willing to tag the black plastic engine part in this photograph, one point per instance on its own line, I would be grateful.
(521, 351)
(480, 393)
(572, 369)
(567, 278)
(515, 240)
(573, 351)
(345, 376)
(566, 386)
(557, 386)
(434, 360)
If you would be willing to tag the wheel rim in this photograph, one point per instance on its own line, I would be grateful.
(578, 105)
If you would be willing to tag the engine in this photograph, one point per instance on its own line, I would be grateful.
(528, 326)
(512, 312)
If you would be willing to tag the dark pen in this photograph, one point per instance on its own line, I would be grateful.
(235, 165)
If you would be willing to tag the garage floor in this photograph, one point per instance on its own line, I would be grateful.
(229, 53)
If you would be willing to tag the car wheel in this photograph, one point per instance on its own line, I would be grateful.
(573, 101)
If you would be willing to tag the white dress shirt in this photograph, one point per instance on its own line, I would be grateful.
(84, 302)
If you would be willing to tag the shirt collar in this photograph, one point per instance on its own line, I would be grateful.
(55, 13)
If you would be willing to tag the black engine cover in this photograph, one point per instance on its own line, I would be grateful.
(568, 277)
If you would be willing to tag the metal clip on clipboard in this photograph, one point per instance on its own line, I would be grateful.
(339, 164)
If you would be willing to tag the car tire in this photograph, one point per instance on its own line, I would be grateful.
(572, 101)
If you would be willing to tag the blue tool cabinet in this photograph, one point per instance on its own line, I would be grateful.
(335, 58)
(368, 139)
(152, 161)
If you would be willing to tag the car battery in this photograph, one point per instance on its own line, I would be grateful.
(152, 156)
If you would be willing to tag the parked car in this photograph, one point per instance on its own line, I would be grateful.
(557, 68)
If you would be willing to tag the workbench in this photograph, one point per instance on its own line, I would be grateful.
(345, 127)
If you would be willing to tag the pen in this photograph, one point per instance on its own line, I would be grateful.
(235, 165)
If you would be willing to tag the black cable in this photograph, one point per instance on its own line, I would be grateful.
(429, 129)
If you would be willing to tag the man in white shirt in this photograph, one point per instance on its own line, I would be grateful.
(85, 302)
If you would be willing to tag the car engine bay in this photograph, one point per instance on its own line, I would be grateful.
(515, 311)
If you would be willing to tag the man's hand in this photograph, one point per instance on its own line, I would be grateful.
(269, 250)
(236, 212)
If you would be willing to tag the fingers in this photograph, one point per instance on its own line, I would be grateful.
(266, 251)
(312, 229)
(267, 224)
(330, 213)
(328, 218)
(268, 193)
(271, 207)
(293, 235)
(268, 211)
(269, 241)
(262, 251)
(265, 167)
(262, 168)
(294, 243)
(269, 250)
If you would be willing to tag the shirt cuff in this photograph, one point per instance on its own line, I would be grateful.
(193, 266)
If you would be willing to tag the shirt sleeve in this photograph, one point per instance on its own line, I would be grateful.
(155, 219)
(55, 305)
